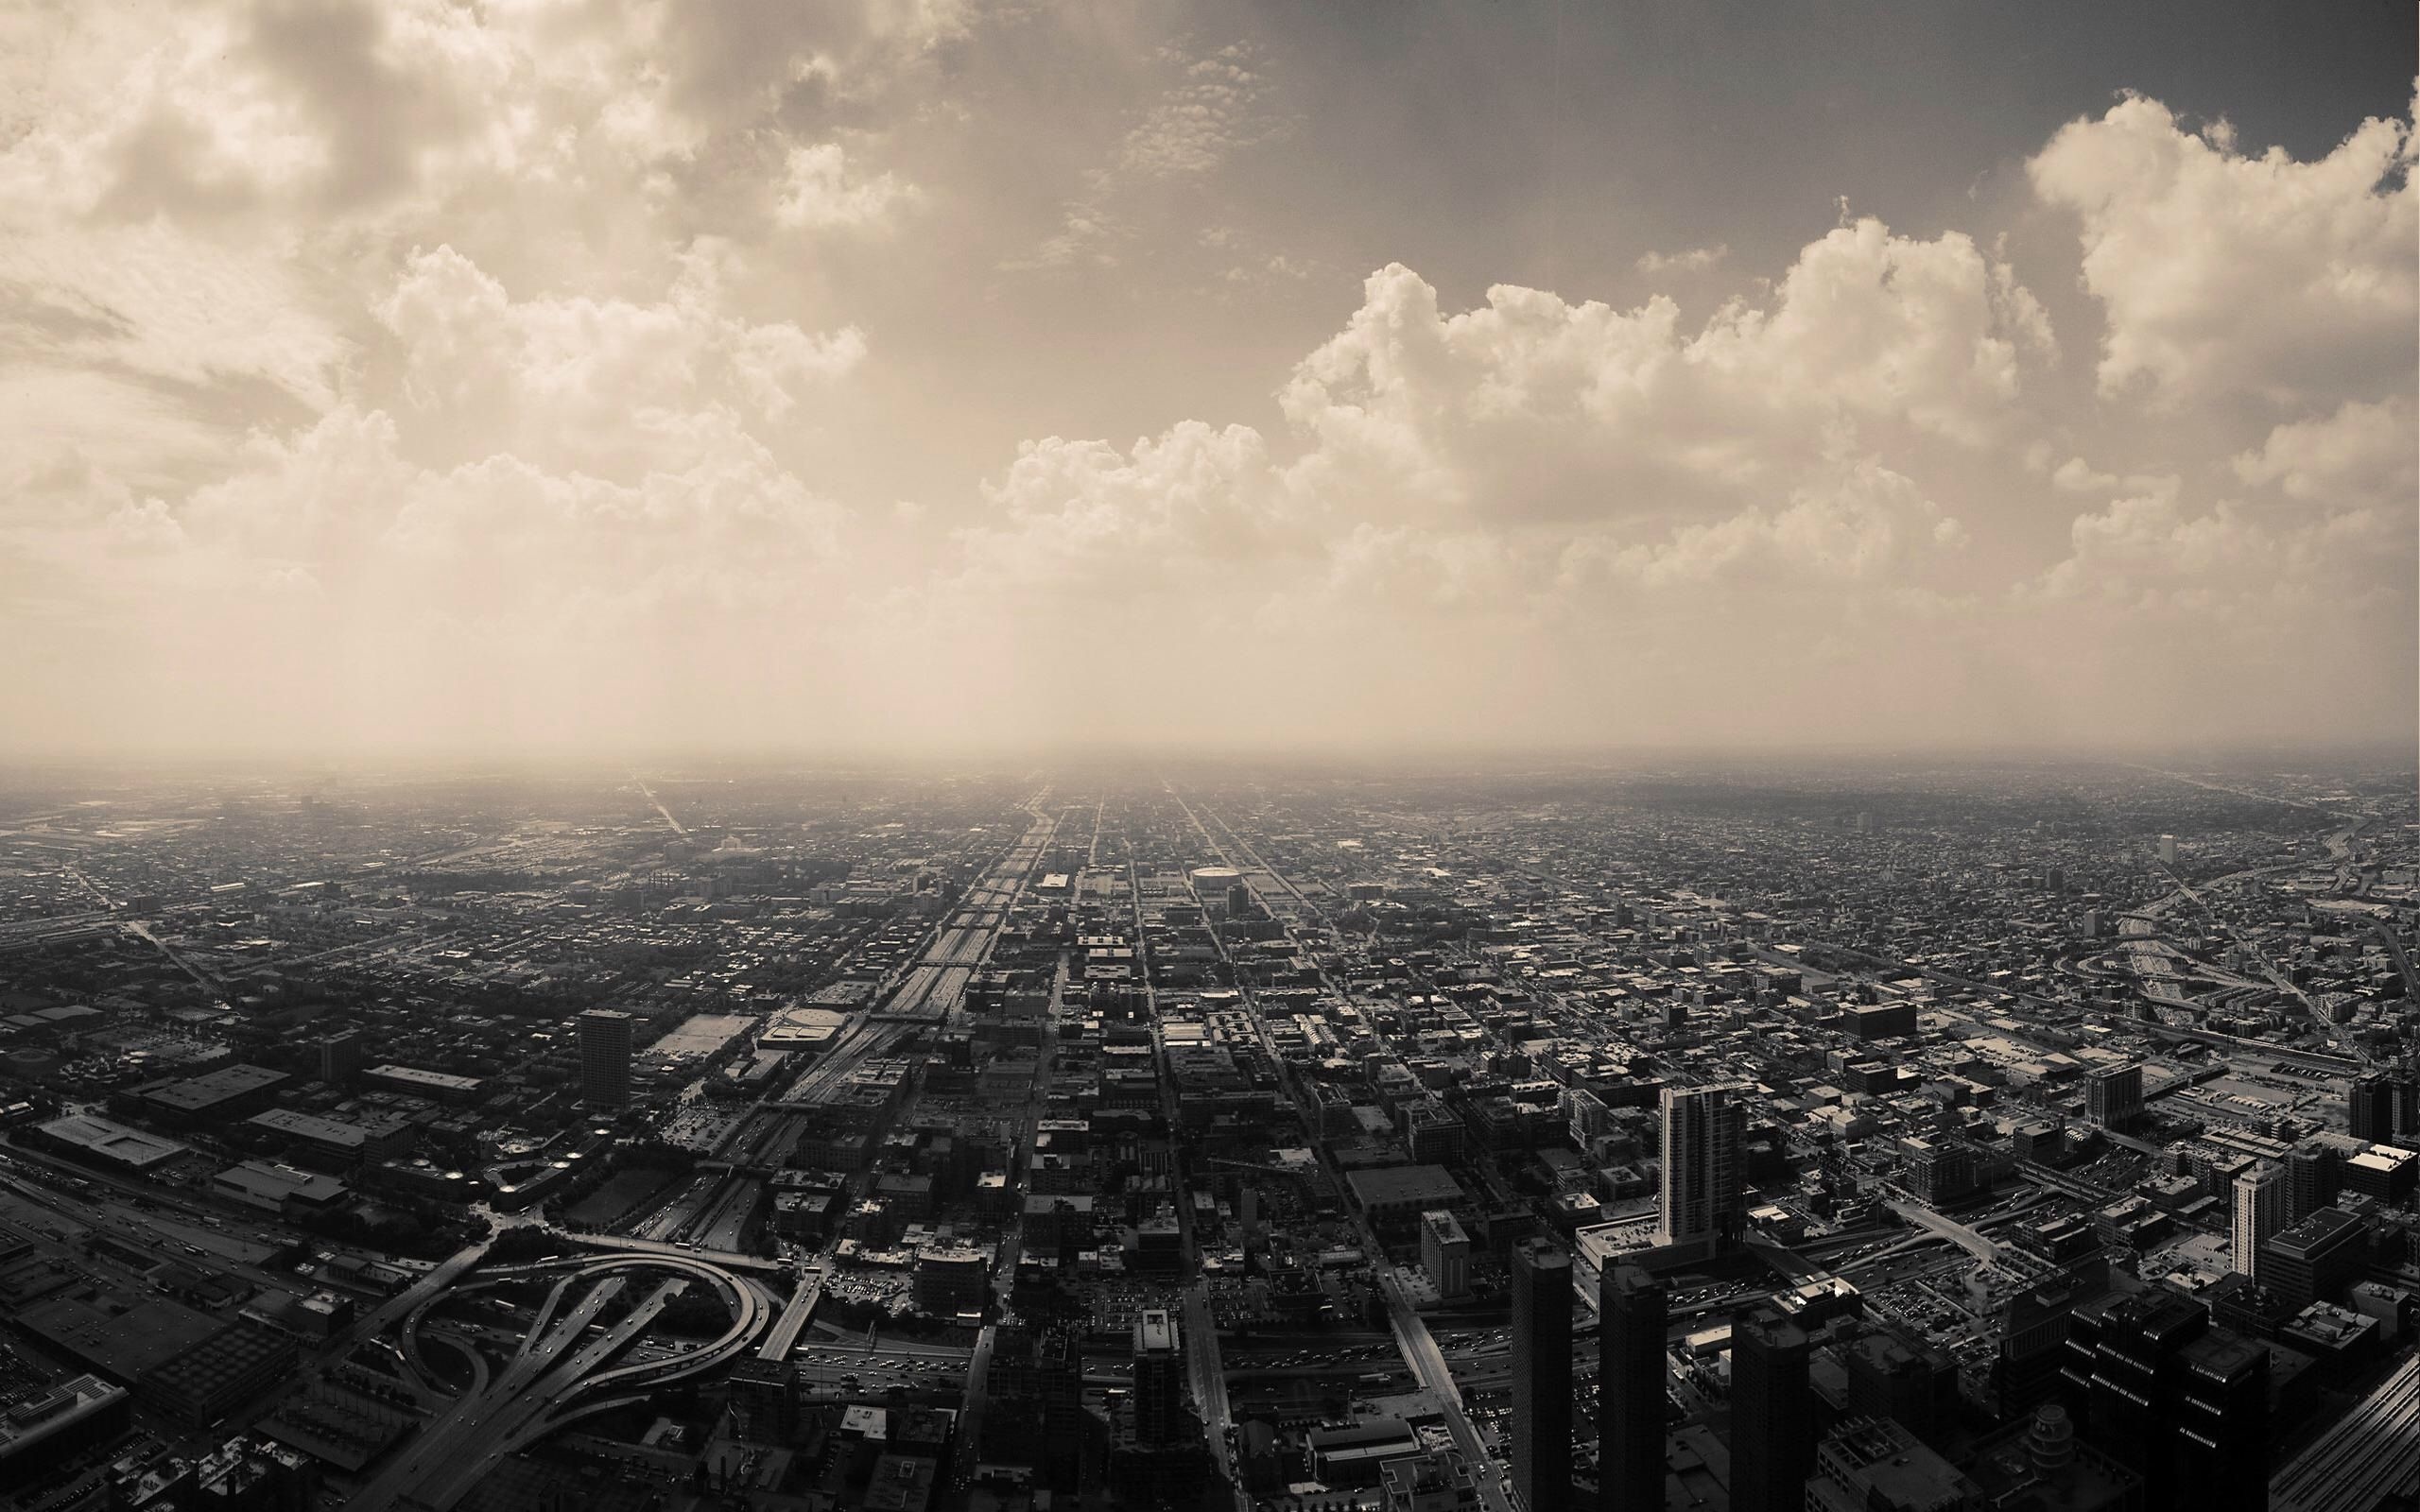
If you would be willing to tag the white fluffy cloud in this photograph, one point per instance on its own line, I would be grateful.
(2361, 457)
(598, 386)
(533, 412)
(2222, 273)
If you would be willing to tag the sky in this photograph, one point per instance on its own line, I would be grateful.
(564, 376)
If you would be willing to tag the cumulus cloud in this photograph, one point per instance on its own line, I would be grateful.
(821, 192)
(535, 418)
(2360, 457)
(2222, 273)
(600, 386)
(1530, 405)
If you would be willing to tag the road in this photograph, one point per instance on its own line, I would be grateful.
(671, 822)
(1428, 1363)
(1412, 1338)
(557, 1362)
(1975, 1243)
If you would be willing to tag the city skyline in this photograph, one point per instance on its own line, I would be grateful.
(543, 379)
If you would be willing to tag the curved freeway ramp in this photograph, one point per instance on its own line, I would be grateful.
(557, 1367)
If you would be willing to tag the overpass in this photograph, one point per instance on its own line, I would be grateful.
(558, 1363)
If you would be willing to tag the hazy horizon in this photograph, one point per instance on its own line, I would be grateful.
(410, 381)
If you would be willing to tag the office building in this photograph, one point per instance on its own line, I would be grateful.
(1542, 1375)
(1874, 1465)
(1914, 1385)
(2259, 1214)
(1631, 1381)
(1037, 1405)
(1354, 1456)
(952, 1280)
(2114, 1097)
(604, 1057)
(764, 1397)
(1704, 1129)
(1942, 1170)
(2034, 1344)
(1159, 1379)
(1772, 1414)
(2183, 1405)
(1445, 1254)
(2315, 1259)
(2167, 851)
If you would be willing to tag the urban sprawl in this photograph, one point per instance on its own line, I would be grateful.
(2038, 1136)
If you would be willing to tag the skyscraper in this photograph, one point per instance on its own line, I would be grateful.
(2260, 1213)
(1159, 1378)
(1772, 1414)
(604, 1057)
(1704, 1128)
(2182, 1403)
(1542, 1375)
(1633, 1309)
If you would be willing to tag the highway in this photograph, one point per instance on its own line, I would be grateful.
(556, 1360)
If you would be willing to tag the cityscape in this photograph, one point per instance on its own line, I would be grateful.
(1557, 1137)
(1209, 756)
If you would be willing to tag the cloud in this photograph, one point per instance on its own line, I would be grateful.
(820, 193)
(1532, 407)
(1688, 260)
(602, 385)
(2358, 457)
(1216, 108)
(556, 414)
(2222, 274)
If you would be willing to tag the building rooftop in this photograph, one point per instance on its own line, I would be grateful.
(113, 1141)
(1395, 1186)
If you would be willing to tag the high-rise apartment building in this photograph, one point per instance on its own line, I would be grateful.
(605, 1058)
(1704, 1129)
(340, 1058)
(1632, 1383)
(2114, 1097)
(1542, 1375)
(2261, 1199)
(1446, 1253)
(2383, 1106)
